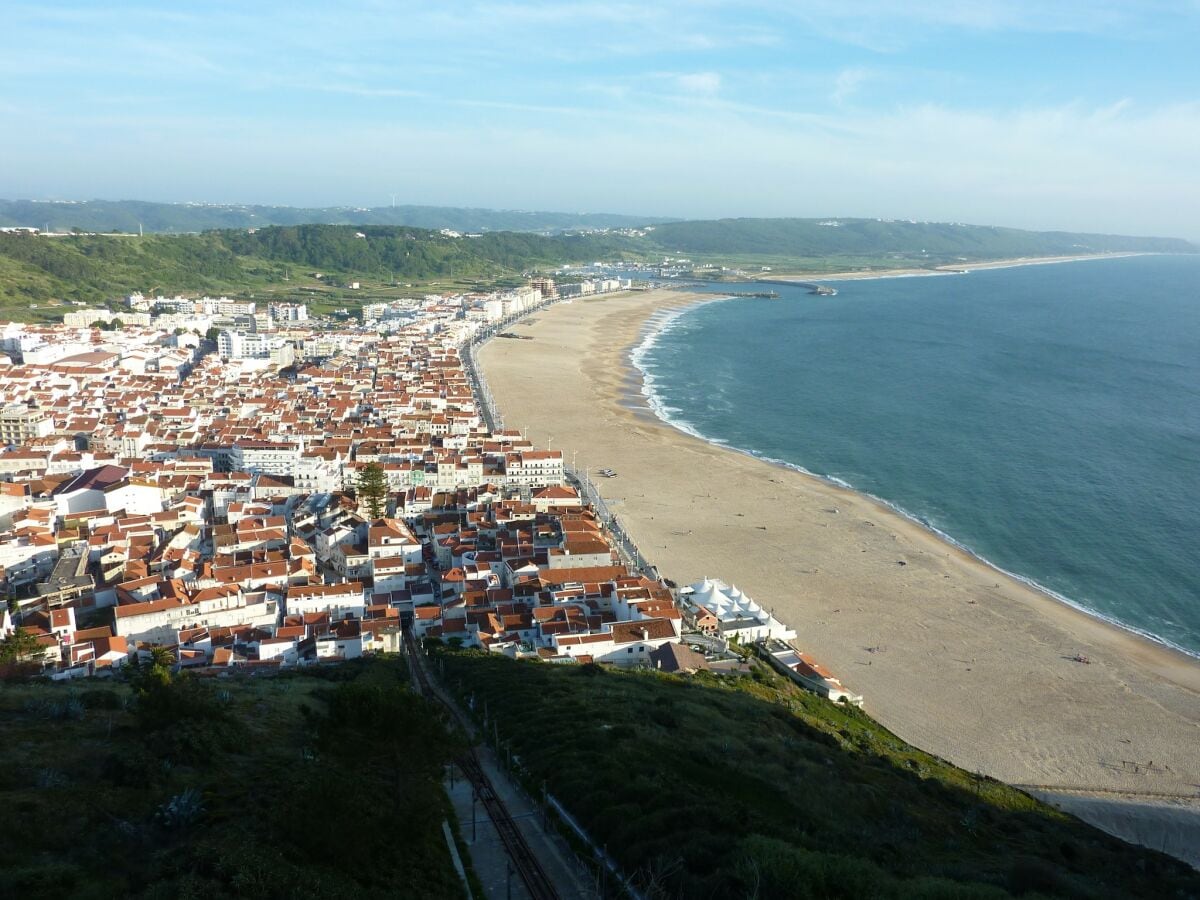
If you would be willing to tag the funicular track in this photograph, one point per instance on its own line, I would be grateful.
(522, 857)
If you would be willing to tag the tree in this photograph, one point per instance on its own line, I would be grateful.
(19, 646)
(372, 487)
(153, 676)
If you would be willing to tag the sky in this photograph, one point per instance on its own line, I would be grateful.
(1048, 115)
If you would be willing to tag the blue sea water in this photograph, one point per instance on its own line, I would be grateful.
(1046, 418)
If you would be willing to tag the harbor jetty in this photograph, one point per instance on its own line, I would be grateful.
(821, 290)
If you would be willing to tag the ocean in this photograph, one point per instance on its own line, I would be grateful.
(1046, 418)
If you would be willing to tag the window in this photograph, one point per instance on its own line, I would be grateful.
(629, 650)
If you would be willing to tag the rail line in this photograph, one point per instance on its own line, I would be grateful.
(526, 864)
(1113, 792)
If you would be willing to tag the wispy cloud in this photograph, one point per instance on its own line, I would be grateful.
(847, 83)
(873, 107)
(699, 82)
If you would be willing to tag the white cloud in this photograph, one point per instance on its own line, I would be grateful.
(847, 83)
(1108, 168)
(699, 82)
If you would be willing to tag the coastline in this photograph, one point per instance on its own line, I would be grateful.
(649, 337)
(975, 665)
(949, 268)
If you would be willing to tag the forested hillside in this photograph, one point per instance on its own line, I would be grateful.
(417, 253)
(869, 237)
(129, 215)
(36, 270)
(100, 268)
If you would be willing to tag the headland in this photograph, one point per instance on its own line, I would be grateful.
(956, 268)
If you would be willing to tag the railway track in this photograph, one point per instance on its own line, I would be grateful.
(524, 862)
(1108, 792)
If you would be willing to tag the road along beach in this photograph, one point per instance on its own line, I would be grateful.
(951, 654)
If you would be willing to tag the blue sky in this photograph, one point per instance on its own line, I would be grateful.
(1078, 115)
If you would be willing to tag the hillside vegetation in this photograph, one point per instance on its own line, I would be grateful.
(129, 215)
(279, 260)
(318, 784)
(867, 237)
(102, 268)
(327, 783)
(703, 787)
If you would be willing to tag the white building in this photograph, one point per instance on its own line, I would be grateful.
(737, 615)
(159, 621)
(808, 673)
(267, 457)
(235, 345)
(348, 599)
(534, 468)
(20, 423)
(289, 312)
(622, 644)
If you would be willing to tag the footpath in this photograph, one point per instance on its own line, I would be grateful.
(572, 880)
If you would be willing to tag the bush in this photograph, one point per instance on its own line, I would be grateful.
(1033, 876)
(101, 698)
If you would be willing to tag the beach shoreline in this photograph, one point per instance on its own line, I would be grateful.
(947, 268)
(646, 339)
(953, 656)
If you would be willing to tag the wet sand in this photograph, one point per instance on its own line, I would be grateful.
(950, 654)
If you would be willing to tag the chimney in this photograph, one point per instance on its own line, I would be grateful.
(645, 634)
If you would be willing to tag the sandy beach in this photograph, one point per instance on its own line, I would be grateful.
(964, 662)
(948, 269)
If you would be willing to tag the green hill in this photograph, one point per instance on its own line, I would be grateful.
(129, 215)
(704, 787)
(874, 237)
(325, 783)
(418, 253)
(99, 268)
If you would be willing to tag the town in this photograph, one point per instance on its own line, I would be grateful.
(249, 488)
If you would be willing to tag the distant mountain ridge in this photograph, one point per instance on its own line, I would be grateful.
(941, 240)
(787, 237)
(128, 215)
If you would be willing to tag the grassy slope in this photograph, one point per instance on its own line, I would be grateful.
(343, 800)
(783, 238)
(712, 787)
(277, 262)
(328, 784)
(99, 269)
